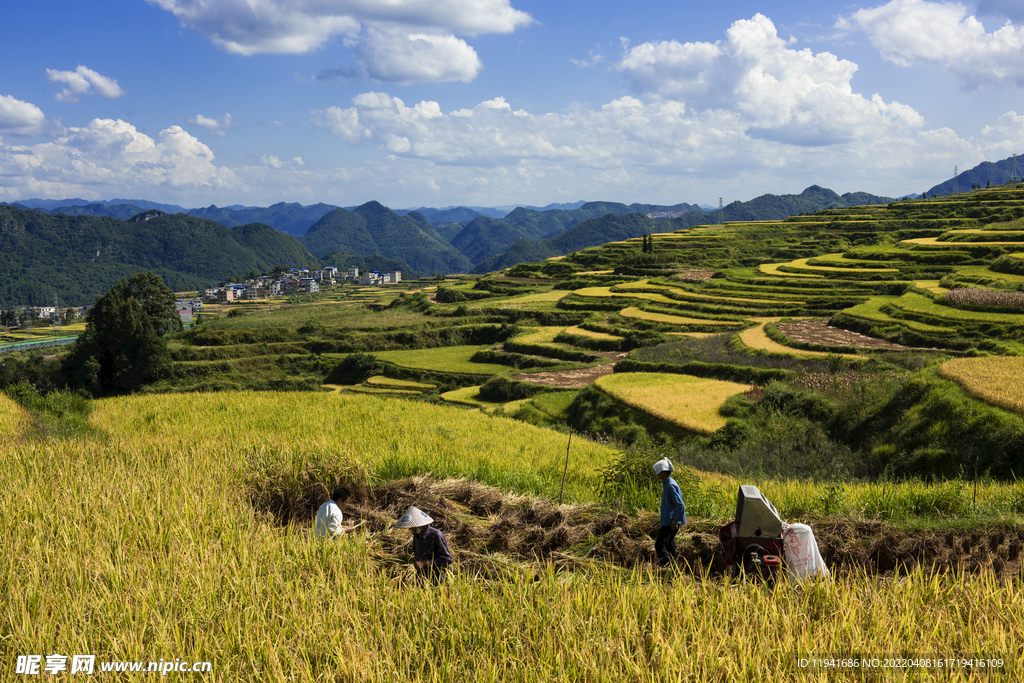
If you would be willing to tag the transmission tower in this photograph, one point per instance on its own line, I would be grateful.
(720, 221)
(955, 189)
(1013, 179)
(56, 313)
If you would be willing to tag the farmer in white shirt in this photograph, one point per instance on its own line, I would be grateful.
(328, 517)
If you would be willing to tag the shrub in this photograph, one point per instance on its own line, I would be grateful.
(354, 369)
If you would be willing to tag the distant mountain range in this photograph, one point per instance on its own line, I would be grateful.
(80, 251)
(80, 257)
(985, 173)
(632, 221)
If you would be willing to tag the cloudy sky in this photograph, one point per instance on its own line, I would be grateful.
(496, 102)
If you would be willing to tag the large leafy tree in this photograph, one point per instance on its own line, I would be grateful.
(123, 347)
(158, 302)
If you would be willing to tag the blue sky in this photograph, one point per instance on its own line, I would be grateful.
(496, 102)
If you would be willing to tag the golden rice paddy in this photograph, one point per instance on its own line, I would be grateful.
(683, 400)
(998, 380)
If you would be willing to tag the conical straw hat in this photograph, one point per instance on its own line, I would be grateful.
(413, 518)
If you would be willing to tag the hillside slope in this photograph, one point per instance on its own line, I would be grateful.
(81, 257)
(373, 229)
(613, 225)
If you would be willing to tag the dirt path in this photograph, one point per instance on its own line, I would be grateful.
(572, 379)
(819, 332)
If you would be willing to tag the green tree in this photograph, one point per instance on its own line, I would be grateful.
(157, 302)
(123, 347)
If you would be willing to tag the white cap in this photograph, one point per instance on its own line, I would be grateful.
(663, 465)
(413, 518)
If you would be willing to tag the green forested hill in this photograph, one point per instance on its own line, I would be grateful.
(618, 221)
(81, 257)
(375, 229)
(484, 236)
(120, 211)
(773, 207)
(294, 219)
(593, 231)
(383, 264)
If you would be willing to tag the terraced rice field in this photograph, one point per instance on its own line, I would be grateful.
(687, 294)
(606, 292)
(522, 301)
(633, 312)
(773, 269)
(997, 380)
(382, 381)
(985, 272)
(539, 335)
(936, 242)
(756, 338)
(579, 331)
(804, 265)
(871, 311)
(683, 400)
(446, 359)
(382, 391)
(919, 303)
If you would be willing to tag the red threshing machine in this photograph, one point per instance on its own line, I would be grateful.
(753, 541)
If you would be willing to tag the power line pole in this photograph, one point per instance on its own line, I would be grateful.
(56, 313)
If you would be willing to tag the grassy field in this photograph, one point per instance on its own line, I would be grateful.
(634, 312)
(589, 333)
(922, 304)
(690, 402)
(446, 359)
(539, 335)
(998, 380)
(870, 310)
(380, 380)
(14, 420)
(161, 554)
(773, 269)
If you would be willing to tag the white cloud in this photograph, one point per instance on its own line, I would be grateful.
(779, 92)
(20, 118)
(82, 81)
(659, 150)
(110, 157)
(593, 59)
(1006, 136)
(941, 34)
(276, 163)
(398, 57)
(216, 127)
(398, 41)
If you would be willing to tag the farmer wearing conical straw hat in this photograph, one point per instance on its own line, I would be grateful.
(673, 513)
(429, 547)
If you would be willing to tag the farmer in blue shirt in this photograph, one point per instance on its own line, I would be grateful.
(429, 546)
(673, 513)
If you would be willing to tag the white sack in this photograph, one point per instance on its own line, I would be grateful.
(802, 556)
